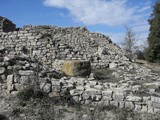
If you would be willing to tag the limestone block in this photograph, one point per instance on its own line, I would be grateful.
(92, 83)
(47, 88)
(144, 108)
(155, 99)
(134, 98)
(10, 85)
(10, 78)
(26, 72)
(136, 88)
(78, 91)
(129, 105)
(150, 110)
(107, 94)
(54, 94)
(2, 70)
(2, 49)
(118, 96)
(156, 110)
(156, 105)
(138, 108)
(99, 87)
(86, 96)
(92, 91)
(77, 68)
(112, 65)
(76, 98)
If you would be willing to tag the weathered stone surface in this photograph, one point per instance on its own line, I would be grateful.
(129, 105)
(78, 91)
(26, 73)
(2, 49)
(47, 88)
(112, 65)
(134, 98)
(10, 85)
(118, 96)
(99, 87)
(92, 91)
(2, 70)
(77, 68)
(107, 93)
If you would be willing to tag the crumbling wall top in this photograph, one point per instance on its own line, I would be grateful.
(6, 25)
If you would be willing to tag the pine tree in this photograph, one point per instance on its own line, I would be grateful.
(153, 50)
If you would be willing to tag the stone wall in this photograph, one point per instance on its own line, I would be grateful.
(6, 25)
(35, 53)
(49, 44)
(20, 71)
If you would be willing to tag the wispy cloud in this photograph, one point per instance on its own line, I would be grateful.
(144, 9)
(109, 12)
(92, 12)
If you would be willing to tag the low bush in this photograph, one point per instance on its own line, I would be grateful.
(3, 117)
(102, 74)
(30, 92)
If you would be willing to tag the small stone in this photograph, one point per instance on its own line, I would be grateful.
(118, 96)
(112, 65)
(129, 105)
(47, 87)
(107, 93)
(2, 70)
(134, 98)
(99, 87)
(26, 73)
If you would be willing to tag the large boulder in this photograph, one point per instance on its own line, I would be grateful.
(75, 68)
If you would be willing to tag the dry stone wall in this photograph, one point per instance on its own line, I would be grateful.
(51, 44)
(6, 25)
(35, 53)
(20, 71)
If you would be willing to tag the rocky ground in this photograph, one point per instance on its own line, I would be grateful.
(123, 93)
(102, 82)
(13, 108)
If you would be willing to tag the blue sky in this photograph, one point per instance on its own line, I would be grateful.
(104, 16)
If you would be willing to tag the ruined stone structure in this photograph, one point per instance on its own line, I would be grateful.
(6, 25)
(36, 53)
(51, 44)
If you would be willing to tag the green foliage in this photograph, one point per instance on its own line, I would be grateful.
(152, 53)
(140, 55)
(102, 74)
(30, 92)
(67, 98)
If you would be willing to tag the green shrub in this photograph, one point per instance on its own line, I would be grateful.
(140, 55)
(102, 74)
(30, 92)
(26, 94)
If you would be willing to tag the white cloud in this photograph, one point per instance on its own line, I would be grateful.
(141, 28)
(92, 12)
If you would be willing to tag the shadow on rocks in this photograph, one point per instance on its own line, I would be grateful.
(3, 117)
